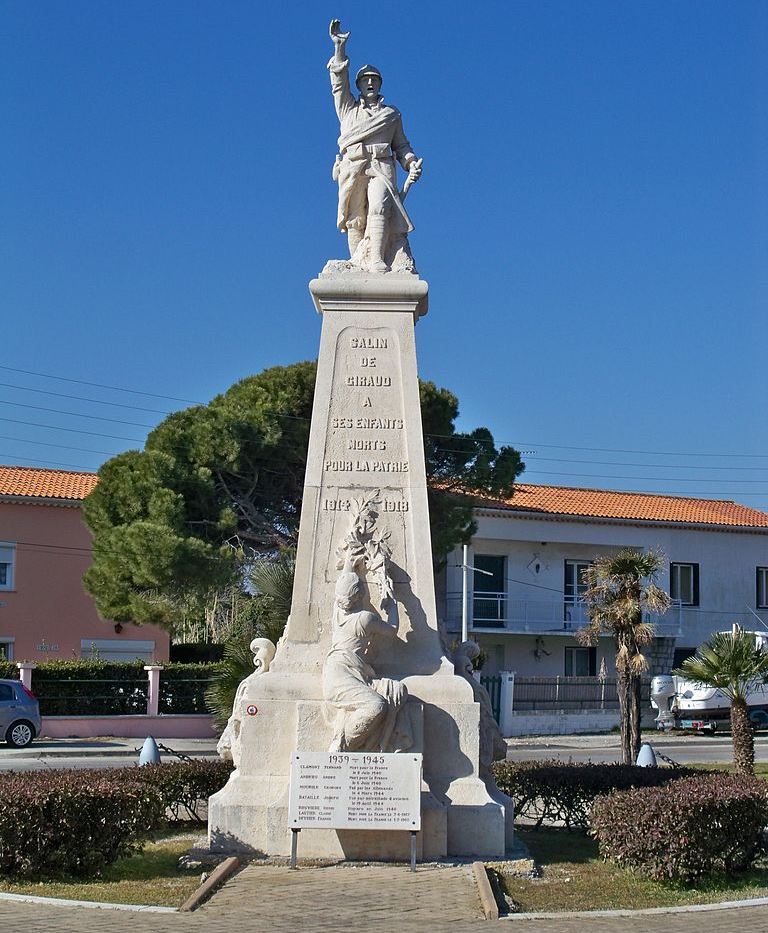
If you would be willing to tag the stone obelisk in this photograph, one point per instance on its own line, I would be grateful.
(335, 680)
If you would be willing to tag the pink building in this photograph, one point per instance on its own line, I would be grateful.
(45, 548)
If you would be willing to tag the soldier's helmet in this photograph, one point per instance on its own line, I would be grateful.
(367, 70)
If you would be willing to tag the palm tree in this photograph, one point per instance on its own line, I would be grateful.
(621, 589)
(733, 663)
(265, 617)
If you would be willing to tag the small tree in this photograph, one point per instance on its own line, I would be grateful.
(621, 589)
(733, 663)
(272, 579)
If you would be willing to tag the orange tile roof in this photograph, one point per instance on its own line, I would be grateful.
(31, 482)
(637, 506)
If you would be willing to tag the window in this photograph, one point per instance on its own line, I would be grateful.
(6, 649)
(574, 587)
(580, 662)
(762, 587)
(117, 649)
(7, 552)
(681, 654)
(684, 583)
(6, 693)
(489, 604)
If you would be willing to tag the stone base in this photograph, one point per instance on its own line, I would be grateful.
(460, 815)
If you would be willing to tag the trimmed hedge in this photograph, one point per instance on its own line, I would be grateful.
(75, 822)
(701, 826)
(90, 688)
(563, 792)
(183, 686)
(116, 688)
(72, 822)
(181, 784)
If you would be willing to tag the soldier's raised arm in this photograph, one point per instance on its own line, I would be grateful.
(338, 67)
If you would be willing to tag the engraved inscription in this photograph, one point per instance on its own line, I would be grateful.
(387, 505)
(368, 343)
(371, 382)
(366, 466)
(356, 443)
(369, 424)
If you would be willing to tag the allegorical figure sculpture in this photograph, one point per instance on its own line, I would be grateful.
(368, 712)
(229, 744)
(371, 209)
(492, 744)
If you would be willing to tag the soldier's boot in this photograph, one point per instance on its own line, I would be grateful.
(354, 236)
(376, 230)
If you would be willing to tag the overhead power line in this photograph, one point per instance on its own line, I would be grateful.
(55, 427)
(617, 450)
(74, 466)
(652, 466)
(84, 450)
(644, 479)
(100, 385)
(75, 414)
(83, 398)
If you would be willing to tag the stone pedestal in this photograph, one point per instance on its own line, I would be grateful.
(365, 441)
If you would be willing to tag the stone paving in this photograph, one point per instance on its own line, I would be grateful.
(348, 899)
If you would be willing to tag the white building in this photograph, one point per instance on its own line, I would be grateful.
(525, 610)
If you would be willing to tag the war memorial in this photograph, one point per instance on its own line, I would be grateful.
(361, 723)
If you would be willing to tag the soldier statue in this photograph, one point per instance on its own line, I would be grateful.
(371, 209)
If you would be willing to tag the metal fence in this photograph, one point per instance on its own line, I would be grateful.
(569, 693)
(492, 684)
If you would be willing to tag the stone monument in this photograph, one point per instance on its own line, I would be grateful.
(361, 666)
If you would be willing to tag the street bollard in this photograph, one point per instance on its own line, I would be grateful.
(646, 757)
(150, 753)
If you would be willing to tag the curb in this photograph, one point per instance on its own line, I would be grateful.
(95, 905)
(644, 912)
(217, 877)
(108, 753)
(487, 900)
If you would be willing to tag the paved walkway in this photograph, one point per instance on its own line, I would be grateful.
(348, 899)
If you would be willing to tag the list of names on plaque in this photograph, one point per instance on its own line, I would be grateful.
(355, 790)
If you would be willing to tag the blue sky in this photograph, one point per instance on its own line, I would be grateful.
(592, 219)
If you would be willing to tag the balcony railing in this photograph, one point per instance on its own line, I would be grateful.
(499, 611)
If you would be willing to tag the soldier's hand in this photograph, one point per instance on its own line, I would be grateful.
(339, 37)
(414, 170)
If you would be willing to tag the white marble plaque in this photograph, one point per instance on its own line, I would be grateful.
(355, 790)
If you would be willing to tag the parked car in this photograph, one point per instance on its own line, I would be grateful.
(19, 714)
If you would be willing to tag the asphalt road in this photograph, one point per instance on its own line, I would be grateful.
(702, 749)
(706, 749)
(9, 763)
(107, 752)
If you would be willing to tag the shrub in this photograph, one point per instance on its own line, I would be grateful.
(8, 670)
(706, 825)
(181, 784)
(563, 792)
(71, 822)
(183, 686)
(89, 687)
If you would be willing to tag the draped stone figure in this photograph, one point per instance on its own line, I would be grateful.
(368, 712)
(492, 744)
(371, 210)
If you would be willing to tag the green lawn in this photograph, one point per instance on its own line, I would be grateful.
(151, 877)
(574, 877)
